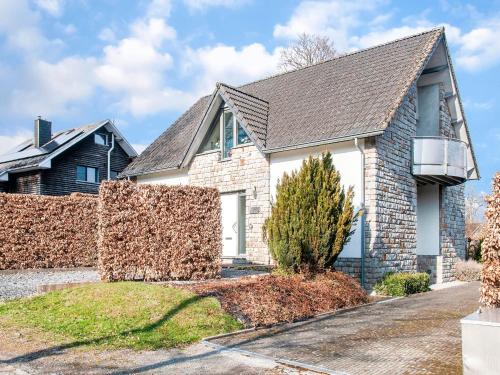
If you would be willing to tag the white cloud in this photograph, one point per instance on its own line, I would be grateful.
(480, 47)
(107, 35)
(50, 89)
(335, 19)
(159, 8)
(70, 29)
(8, 142)
(203, 4)
(52, 7)
(153, 31)
(135, 67)
(229, 65)
(374, 38)
(132, 65)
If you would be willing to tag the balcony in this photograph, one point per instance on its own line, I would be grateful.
(439, 160)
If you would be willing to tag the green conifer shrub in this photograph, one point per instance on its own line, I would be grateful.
(311, 217)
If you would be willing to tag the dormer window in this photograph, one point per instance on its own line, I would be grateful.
(227, 128)
(101, 139)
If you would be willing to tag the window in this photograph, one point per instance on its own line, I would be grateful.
(113, 175)
(101, 139)
(242, 135)
(87, 174)
(228, 135)
(212, 142)
(232, 134)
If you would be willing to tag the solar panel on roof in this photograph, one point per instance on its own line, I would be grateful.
(22, 155)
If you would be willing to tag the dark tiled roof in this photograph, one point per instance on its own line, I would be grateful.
(249, 110)
(168, 150)
(351, 95)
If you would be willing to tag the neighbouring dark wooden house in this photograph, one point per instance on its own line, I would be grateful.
(73, 160)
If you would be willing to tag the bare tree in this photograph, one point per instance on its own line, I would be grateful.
(474, 206)
(305, 51)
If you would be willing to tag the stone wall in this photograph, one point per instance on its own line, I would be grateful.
(391, 201)
(350, 266)
(391, 197)
(246, 171)
(433, 265)
(452, 235)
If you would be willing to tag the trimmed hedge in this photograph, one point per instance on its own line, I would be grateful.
(47, 232)
(402, 284)
(154, 232)
(490, 288)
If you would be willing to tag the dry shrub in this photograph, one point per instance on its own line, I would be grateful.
(469, 270)
(154, 232)
(47, 232)
(266, 300)
(490, 288)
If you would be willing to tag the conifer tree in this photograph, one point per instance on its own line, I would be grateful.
(311, 217)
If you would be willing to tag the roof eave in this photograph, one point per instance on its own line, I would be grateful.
(323, 142)
(135, 174)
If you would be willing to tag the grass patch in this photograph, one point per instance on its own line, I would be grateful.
(121, 315)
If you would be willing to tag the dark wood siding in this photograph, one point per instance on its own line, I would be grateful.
(4, 187)
(61, 178)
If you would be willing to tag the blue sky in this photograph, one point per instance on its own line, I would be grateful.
(142, 63)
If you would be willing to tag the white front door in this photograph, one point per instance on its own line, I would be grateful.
(229, 224)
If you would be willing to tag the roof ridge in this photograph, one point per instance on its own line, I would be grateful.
(434, 29)
(219, 84)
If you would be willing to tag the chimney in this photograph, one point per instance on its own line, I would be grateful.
(43, 132)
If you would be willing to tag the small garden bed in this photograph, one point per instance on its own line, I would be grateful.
(271, 299)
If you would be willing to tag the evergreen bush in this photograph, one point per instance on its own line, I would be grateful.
(311, 217)
(402, 284)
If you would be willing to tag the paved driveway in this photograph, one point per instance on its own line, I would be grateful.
(415, 335)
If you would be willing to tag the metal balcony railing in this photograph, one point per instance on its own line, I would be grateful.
(439, 160)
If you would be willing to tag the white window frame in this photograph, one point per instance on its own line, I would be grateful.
(105, 136)
(235, 133)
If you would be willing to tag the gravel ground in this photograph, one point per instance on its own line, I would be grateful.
(22, 283)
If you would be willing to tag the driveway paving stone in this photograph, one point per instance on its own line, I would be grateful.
(419, 334)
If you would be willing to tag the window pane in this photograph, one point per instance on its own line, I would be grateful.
(92, 175)
(242, 135)
(100, 139)
(228, 134)
(81, 173)
(212, 142)
(113, 175)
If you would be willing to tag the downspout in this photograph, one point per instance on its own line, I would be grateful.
(362, 219)
(109, 154)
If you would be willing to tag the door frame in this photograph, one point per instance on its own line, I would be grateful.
(241, 242)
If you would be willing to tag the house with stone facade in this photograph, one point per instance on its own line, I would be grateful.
(392, 118)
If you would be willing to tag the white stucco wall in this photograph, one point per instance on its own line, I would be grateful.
(175, 177)
(428, 220)
(347, 160)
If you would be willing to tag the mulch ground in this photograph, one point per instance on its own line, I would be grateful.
(270, 299)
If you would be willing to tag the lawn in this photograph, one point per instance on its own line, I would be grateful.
(120, 315)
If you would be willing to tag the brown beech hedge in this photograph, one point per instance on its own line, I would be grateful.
(153, 232)
(47, 232)
(490, 288)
